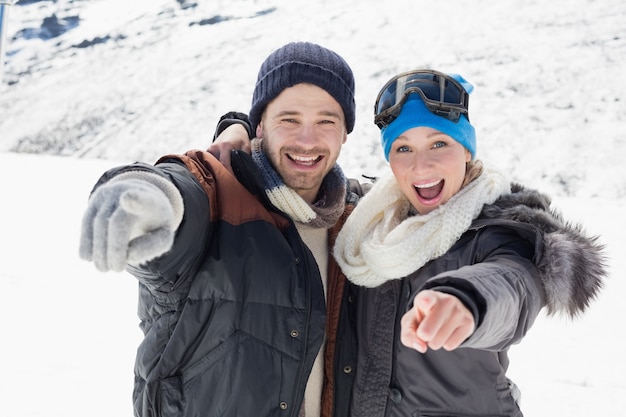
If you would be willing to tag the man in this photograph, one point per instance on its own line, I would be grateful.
(243, 310)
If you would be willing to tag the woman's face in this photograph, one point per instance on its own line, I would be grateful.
(429, 166)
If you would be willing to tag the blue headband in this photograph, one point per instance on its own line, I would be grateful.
(414, 113)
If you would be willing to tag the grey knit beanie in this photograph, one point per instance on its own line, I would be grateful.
(304, 62)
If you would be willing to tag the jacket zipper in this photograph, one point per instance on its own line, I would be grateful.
(304, 259)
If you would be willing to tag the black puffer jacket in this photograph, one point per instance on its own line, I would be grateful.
(234, 315)
(515, 259)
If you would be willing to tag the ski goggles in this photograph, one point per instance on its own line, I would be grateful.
(442, 94)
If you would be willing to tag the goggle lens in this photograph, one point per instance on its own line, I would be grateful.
(441, 93)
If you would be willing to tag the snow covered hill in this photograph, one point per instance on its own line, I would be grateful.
(135, 79)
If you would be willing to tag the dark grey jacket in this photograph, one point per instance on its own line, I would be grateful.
(235, 314)
(515, 259)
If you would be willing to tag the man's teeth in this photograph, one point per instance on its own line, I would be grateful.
(304, 159)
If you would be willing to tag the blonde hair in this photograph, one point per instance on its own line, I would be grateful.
(473, 169)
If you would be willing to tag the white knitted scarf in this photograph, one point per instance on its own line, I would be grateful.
(381, 241)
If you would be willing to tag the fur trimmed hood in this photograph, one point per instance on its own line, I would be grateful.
(572, 266)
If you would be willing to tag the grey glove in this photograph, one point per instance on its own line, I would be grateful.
(129, 221)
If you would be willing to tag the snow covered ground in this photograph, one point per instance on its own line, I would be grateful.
(94, 83)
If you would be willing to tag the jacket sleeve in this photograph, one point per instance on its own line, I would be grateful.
(504, 285)
(168, 275)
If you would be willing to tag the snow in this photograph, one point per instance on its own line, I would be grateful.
(548, 108)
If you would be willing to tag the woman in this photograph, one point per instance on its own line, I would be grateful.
(453, 261)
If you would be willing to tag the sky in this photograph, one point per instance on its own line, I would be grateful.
(114, 81)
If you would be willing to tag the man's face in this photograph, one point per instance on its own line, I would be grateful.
(303, 129)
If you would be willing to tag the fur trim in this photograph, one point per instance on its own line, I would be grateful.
(572, 265)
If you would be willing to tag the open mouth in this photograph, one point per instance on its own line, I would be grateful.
(430, 190)
(305, 160)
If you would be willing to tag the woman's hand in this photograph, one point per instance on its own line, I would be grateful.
(234, 137)
(437, 320)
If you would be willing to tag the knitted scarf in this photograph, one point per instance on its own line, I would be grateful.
(382, 241)
(323, 213)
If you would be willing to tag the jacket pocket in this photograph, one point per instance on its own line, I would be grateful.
(242, 376)
(213, 357)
